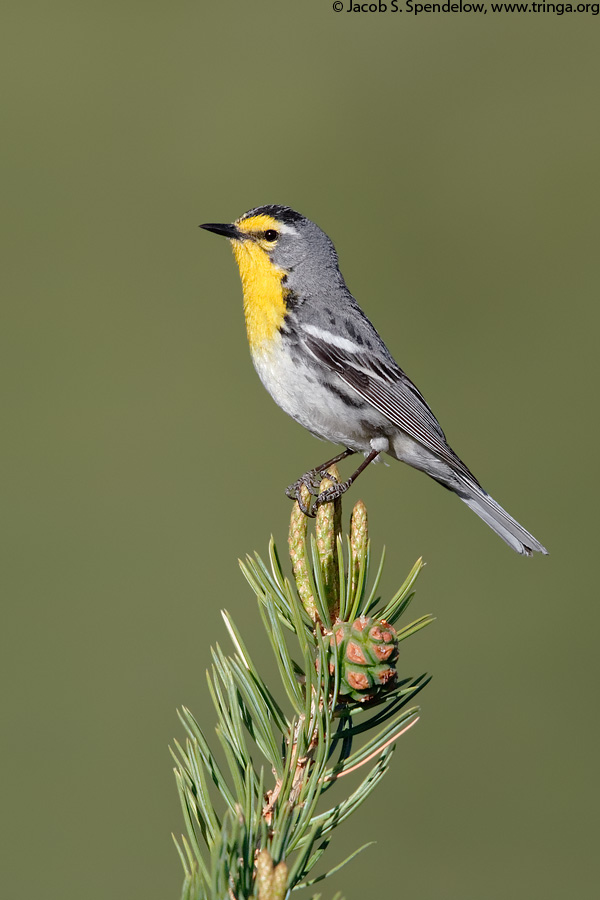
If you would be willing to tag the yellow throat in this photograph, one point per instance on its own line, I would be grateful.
(264, 303)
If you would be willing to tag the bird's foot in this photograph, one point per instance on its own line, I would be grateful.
(332, 493)
(311, 480)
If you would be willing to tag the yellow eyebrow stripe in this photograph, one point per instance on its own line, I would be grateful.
(257, 223)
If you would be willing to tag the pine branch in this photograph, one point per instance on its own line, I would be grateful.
(255, 823)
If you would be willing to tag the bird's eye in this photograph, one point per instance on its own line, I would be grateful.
(271, 235)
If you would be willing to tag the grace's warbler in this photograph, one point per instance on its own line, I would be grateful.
(323, 362)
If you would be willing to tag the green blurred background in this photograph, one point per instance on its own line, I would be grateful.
(454, 161)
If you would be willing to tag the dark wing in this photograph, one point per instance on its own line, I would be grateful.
(383, 384)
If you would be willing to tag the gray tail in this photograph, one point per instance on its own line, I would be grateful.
(499, 520)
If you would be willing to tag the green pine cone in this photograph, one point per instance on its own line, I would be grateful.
(368, 650)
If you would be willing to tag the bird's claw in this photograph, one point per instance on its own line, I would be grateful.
(331, 494)
(311, 480)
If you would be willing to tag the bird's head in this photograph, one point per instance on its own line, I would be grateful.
(277, 239)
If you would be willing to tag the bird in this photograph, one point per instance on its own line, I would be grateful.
(323, 362)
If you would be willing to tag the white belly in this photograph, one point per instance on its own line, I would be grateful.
(301, 392)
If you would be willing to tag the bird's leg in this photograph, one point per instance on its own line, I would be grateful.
(337, 490)
(336, 459)
(311, 481)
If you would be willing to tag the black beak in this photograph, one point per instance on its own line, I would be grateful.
(228, 231)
